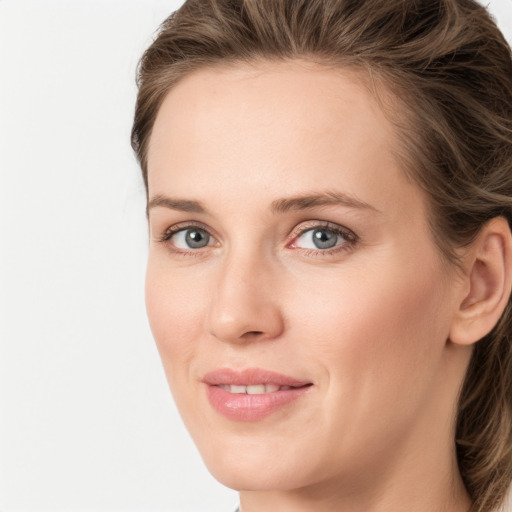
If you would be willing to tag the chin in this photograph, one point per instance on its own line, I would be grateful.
(261, 467)
(240, 477)
(245, 481)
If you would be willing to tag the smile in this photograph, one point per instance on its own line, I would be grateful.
(252, 394)
(257, 389)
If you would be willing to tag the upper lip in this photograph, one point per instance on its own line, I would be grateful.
(250, 377)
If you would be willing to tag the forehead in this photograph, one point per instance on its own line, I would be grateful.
(307, 93)
(297, 123)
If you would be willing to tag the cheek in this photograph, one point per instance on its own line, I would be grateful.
(369, 305)
(379, 335)
(175, 309)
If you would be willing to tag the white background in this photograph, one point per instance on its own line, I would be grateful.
(86, 420)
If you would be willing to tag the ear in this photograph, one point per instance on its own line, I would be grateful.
(488, 280)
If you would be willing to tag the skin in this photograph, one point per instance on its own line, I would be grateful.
(368, 323)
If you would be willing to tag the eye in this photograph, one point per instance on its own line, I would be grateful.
(323, 238)
(188, 238)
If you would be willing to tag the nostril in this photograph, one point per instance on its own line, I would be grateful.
(252, 334)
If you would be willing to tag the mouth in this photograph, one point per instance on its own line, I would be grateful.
(252, 394)
(256, 389)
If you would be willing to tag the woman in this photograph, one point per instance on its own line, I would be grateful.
(329, 199)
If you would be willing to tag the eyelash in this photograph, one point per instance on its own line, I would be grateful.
(349, 236)
(173, 230)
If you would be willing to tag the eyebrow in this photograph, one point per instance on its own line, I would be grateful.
(331, 198)
(297, 203)
(184, 205)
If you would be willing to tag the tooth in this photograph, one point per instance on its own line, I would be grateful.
(256, 390)
(237, 389)
(225, 387)
(271, 388)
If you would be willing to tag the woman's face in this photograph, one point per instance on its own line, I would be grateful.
(299, 305)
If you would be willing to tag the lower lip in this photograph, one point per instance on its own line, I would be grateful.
(244, 407)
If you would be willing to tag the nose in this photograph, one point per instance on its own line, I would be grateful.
(244, 303)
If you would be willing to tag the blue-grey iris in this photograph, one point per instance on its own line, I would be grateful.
(197, 238)
(324, 239)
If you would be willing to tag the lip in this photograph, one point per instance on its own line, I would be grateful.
(245, 407)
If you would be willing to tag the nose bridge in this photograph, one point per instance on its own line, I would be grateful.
(242, 304)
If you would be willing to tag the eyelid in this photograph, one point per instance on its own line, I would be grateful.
(350, 237)
(322, 224)
(168, 233)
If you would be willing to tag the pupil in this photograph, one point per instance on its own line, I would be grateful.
(324, 239)
(197, 238)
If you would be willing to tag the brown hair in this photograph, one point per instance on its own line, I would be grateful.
(450, 69)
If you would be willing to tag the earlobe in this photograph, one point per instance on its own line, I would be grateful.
(489, 281)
